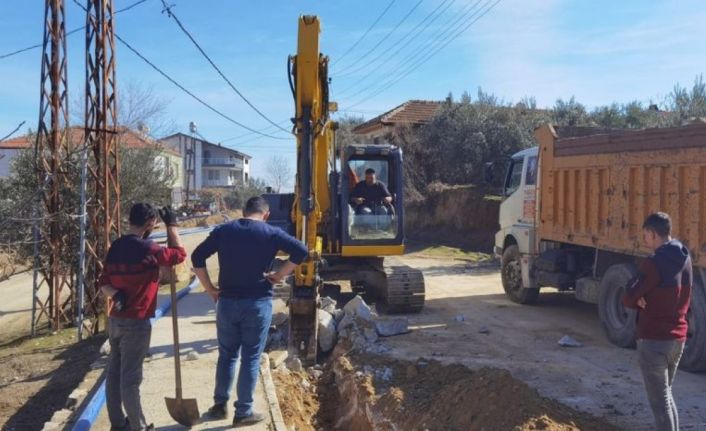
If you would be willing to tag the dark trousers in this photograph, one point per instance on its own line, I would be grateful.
(129, 344)
(242, 326)
(659, 360)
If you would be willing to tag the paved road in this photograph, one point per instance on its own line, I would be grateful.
(598, 378)
(197, 332)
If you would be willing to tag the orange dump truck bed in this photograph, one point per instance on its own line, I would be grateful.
(596, 190)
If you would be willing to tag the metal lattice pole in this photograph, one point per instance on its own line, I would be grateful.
(53, 278)
(102, 142)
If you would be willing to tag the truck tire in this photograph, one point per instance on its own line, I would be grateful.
(511, 274)
(618, 321)
(694, 356)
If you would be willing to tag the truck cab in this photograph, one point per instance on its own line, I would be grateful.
(515, 241)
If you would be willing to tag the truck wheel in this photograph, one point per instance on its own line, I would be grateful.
(511, 274)
(618, 322)
(694, 356)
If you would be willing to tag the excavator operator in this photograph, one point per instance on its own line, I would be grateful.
(370, 196)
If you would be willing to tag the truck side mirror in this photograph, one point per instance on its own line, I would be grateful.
(488, 173)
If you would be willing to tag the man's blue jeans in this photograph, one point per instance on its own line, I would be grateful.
(242, 326)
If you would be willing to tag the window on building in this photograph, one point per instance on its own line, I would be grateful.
(214, 175)
(246, 161)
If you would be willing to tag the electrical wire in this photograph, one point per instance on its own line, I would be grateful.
(391, 74)
(76, 30)
(168, 10)
(415, 33)
(443, 44)
(387, 36)
(389, 5)
(13, 132)
(195, 97)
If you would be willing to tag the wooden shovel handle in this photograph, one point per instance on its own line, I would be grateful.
(175, 332)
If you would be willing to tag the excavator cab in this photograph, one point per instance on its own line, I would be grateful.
(372, 223)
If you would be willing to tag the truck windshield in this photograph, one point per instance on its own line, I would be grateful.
(514, 176)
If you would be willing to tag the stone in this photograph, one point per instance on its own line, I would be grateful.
(105, 348)
(278, 357)
(484, 330)
(358, 308)
(338, 315)
(316, 374)
(370, 334)
(389, 326)
(385, 374)
(568, 341)
(327, 331)
(193, 355)
(328, 304)
(75, 398)
(294, 364)
(280, 312)
(460, 318)
(346, 322)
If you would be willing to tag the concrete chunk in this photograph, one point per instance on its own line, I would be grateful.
(277, 358)
(389, 326)
(328, 304)
(327, 331)
(358, 308)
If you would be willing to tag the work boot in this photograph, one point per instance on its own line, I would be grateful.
(123, 427)
(217, 412)
(248, 420)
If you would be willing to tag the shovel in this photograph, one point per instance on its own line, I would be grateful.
(184, 411)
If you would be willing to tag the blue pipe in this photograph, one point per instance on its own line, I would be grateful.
(95, 405)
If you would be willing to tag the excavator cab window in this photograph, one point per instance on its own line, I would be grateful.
(372, 207)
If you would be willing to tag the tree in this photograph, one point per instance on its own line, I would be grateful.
(237, 196)
(279, 173)
(144, 177)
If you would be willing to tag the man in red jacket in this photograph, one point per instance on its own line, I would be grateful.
(661, 295)
(131, 278)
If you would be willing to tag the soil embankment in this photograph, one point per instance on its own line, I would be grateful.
(463, 216)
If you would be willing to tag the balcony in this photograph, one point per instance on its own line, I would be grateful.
(222, 161)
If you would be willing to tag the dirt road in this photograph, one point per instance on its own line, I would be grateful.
(15, 306)
(599, 378)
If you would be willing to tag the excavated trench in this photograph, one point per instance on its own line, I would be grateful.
(357, 390)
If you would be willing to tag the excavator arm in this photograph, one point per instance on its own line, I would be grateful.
(314, 133)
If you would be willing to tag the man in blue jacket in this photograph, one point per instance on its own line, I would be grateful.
(246, 249)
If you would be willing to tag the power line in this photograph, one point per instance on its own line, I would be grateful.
(443, 44)
(171, 14)
(244, 135)
(414, 33)
(389, 5)
(387, 36)
(13, 132)
(449, 26)
(195, 97)
(76, 30)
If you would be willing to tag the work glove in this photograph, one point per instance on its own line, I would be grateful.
(119, 301)
(168, 215)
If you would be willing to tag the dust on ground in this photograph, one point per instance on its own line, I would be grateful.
(38, 374)
(421, 395)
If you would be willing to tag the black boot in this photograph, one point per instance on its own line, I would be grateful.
(248, 420)
(217, 412)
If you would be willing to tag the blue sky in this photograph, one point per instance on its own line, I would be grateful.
(597, 50)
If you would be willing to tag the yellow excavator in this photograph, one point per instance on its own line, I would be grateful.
(344, 244)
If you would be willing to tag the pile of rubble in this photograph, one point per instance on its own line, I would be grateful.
(356, 323)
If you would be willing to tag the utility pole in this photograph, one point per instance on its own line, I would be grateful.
(190, 163)
(101, 140)
(53, 293)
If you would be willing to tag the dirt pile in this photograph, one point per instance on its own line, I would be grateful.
(362, 391)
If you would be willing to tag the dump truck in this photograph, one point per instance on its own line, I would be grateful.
(572, 215)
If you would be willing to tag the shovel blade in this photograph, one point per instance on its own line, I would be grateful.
(183, 411)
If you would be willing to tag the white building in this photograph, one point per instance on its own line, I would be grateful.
(213, 165)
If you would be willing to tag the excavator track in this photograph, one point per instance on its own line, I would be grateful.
(403, 291)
